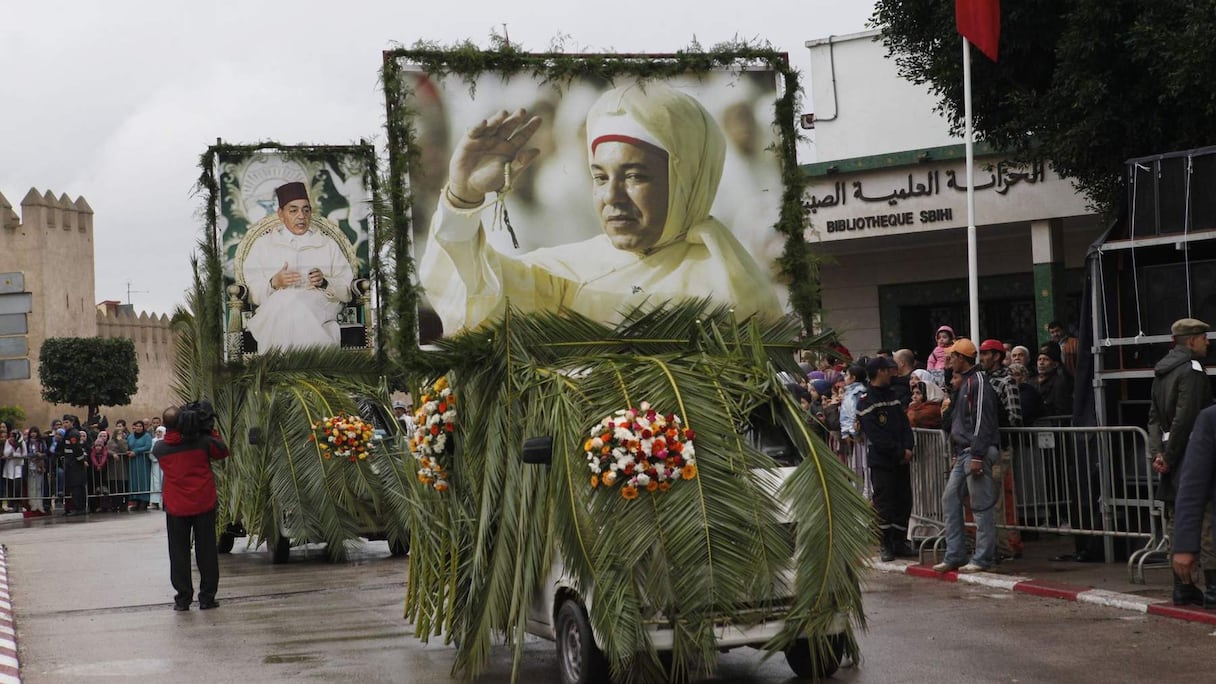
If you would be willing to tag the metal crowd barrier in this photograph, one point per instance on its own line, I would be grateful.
(1093, 481)
(102, 492)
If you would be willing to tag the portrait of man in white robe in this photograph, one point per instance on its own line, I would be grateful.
(298, 278)
(655, 158)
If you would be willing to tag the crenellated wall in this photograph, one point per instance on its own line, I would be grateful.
(154, 351)
(51, 245)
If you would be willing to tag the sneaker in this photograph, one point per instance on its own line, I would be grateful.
(945, 567)
(972, 567)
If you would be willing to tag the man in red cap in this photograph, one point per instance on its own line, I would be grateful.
(992, 360)
(297, 277)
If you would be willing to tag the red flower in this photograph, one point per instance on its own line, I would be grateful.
(434, 430)
(449, 427)
(442, 407)
(689, 434)
(647, 434)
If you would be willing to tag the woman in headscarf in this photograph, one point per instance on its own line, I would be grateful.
(140, 445)
(117, 469)
(158, 477)
(944, 337)
(933, 392)
(656, 158)
(99, 455)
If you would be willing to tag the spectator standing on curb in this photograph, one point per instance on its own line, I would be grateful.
(1067, 344)
(1180, 391)
(190, 497)
(12, 455)
(157, 477)
(902, 380)
(1055, 386)
(973, 437)
(992, 361)
(889, 445)
(1191, 515)
(75, 465)
(855, 378)
(140, 466)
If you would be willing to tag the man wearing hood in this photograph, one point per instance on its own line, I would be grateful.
(1180, 391)
(656, 158)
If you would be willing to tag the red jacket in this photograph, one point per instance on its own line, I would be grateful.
(189, 485)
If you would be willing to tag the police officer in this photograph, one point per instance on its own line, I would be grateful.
(889, 451)
(1180, 391)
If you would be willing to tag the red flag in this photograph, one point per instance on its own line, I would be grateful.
(979, 21)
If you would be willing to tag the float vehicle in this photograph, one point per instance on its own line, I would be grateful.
(559, 612)
(387, 435)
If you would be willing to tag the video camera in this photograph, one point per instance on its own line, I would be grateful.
(196, 418)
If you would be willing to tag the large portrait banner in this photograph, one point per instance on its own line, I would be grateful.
(597, 196)
(293, 229)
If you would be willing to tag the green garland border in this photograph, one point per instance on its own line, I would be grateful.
(212, 327)
(798, 263)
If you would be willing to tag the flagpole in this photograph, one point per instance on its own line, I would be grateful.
(973, 285)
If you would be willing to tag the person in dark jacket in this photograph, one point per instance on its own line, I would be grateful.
(1055, 385)
(1180, 391)
(1192, 511)
(973, 436)
(75, 452)
(889, 451)
(1028, 394)
(190, 499)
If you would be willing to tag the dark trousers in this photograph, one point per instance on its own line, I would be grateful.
(205, 554)
(892, 496)
(79, 493)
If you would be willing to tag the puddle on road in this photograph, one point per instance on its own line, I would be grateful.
(281, 658)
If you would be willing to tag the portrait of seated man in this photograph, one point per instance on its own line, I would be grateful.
(298, 278)
(656, 159)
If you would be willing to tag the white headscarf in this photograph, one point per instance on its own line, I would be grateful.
(933, 393)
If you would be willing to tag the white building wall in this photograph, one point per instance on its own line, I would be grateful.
(862, 107)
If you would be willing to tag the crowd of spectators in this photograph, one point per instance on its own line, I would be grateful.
(73, 469)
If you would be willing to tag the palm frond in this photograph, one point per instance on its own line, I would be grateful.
(700, 550)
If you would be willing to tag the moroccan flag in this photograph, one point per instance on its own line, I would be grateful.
(979, 21)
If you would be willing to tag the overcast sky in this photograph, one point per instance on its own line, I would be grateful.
(117, 100)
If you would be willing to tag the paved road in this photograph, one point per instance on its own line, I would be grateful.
(92, 601)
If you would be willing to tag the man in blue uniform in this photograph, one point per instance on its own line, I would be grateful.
(889, 443)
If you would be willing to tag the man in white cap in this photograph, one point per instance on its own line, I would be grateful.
(405, 415)
(297, 277)
(656, 158)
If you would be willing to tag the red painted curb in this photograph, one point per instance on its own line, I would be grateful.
(1050, 589)
(1182, 613)
(925, 571)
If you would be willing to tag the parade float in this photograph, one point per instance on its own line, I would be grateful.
(625, 474)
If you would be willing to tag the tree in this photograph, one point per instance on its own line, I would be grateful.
(1086, 84)
(12, 416)
(88, 371)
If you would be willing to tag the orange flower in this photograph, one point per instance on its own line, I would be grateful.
(609, 479)
(651, 486)
(629, 492)
(312, 437)
(441, 486)
(595, 481)
(664, 486)
(688, 472)
(587, 445)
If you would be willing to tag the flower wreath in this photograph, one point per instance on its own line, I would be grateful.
(348, 437)
(434, 423)
(643, 448)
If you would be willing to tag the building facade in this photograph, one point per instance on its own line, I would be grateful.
(46, 260)
(887, 206)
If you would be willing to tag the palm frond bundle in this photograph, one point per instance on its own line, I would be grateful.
(705, 548)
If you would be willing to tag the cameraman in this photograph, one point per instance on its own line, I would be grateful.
(185, 456)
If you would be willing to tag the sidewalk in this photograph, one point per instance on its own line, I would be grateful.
(1105, 584)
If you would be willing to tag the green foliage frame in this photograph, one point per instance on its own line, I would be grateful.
(797, 262)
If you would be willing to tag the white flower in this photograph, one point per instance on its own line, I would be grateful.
(645, 406)
(643, 479)
(597, 443)
(622, 435)
(446, 392)
(614, 467)
(431, 407)
(434, 419)
(647, 446)
(689, 451)
(449, 416)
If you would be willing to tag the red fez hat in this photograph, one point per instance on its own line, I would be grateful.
(290, 192)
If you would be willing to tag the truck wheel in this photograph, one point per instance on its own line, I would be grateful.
(281, 552)
(226, 542)
(578, 658)
(800, 658)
